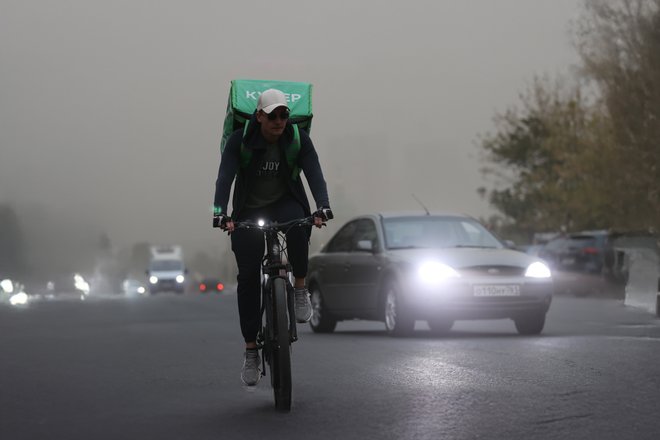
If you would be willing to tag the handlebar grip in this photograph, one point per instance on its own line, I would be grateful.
(220, 221)
(324, 214)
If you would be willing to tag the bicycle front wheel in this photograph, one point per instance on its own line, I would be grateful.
(281, 354)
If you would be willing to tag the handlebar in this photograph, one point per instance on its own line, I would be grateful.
(324, 214)
(274, 226)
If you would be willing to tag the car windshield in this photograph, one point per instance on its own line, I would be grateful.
(437, 232)
(583, 241)
(166, 265)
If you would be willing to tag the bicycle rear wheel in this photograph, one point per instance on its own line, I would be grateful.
(280, 364)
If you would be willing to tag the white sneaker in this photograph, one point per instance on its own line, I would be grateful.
(251, 372)
(303, 305)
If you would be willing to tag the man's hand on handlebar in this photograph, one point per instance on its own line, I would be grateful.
(223, 222)
(321, 216)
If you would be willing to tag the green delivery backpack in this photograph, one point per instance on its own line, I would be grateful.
(243, 96)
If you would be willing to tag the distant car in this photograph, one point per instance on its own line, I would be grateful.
(167, 270)
(13, 292)
(594, 262)
(133, 287)
(399, 268)
(579, 252)
(209, 285)
(68, 286)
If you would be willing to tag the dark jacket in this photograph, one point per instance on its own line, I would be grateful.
(230, 168)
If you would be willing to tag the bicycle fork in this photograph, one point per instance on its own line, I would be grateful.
(291, 305)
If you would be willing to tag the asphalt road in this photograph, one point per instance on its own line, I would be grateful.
(167, 367)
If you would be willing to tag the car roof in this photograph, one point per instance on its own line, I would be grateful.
(583, 236)
(591, 233)
(399, 214)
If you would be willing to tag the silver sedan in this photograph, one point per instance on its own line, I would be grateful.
(399, 268)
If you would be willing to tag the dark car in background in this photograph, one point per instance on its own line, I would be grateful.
(580, 252)
(208, 285)
(132, 287)
(67, 286)
(400, 268)
(594, 262)
(577, 261)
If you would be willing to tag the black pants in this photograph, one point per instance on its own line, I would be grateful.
(249, 247)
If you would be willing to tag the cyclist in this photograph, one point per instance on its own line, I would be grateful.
(267, 188)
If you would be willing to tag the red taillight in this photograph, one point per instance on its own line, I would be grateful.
(202, 287)
(590, 250)
(220, 286)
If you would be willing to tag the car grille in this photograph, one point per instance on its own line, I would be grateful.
(493, 271)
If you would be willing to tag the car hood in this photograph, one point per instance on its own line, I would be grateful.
(166, 274)
(464, 257)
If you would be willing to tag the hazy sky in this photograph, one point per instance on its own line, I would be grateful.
(111, 111)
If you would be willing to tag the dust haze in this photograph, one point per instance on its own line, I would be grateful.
(111, 112)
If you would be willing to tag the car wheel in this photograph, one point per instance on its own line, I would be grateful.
(396, 316)
(530, 324)
(440, 326)
(321, 320)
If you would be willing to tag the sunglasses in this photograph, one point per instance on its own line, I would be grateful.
(283, 115)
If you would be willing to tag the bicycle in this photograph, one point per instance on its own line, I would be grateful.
(278, 329)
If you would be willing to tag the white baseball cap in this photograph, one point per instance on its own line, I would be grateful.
(270, 99)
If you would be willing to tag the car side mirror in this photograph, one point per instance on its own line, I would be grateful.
(365, 245)
(510, 244)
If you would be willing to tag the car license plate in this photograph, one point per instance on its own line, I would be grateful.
(497, 290)
(568, 261)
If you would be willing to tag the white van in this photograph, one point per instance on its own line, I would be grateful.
(167, 270)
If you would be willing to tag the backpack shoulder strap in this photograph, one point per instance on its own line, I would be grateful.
(292, 153)
(246, 155)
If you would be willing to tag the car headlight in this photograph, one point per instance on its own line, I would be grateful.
(538, 270)
(153, 279)
(435, 272)
(81, 284)
(180, 279)
(141, 289)
(7, 285)
(18, 299)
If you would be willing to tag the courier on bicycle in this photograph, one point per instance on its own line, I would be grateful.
(267, 186)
